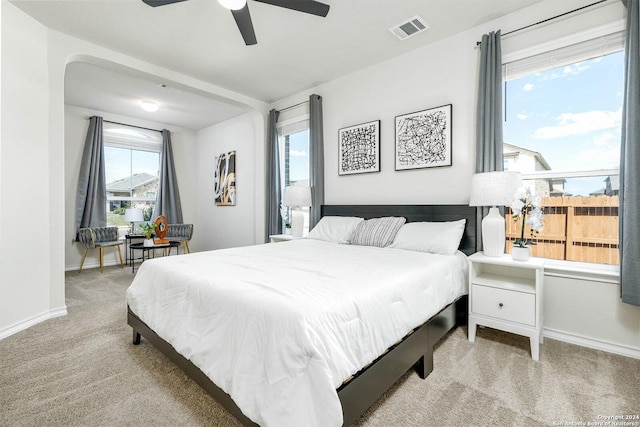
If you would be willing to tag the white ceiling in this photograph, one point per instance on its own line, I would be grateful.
(199, 38)
(121, 91)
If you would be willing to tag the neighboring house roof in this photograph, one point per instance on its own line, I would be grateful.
(614, 182)
(612, 187)
(125, 185)
(513, 150)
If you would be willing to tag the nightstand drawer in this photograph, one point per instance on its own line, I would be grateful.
(503, 304)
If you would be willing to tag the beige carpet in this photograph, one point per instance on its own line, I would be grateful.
(82, 370)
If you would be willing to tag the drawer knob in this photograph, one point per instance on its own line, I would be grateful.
(500, 305)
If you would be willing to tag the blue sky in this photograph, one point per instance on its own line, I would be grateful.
(299, 156)
(122, 162)
(571, 115)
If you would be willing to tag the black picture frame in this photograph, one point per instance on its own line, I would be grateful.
(359, 148)
(423, 139)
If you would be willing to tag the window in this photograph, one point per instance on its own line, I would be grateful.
(132, 161)
(293, 139)
(562, 132)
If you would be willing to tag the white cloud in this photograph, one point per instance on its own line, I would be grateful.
(569, 70)
(521, 116)
(606, 139)
(297, 153)
(599, 158)
(580, 124)
(528, 87)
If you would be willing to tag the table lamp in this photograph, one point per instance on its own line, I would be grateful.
(132, 215)
(297, 196)
(493, 189)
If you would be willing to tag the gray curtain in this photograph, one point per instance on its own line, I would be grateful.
(629, 231)
(168, 197)
(489, 150)
(91, 196)
(274, 221)
(316, 159)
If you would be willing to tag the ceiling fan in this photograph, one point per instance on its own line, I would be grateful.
(240, 11)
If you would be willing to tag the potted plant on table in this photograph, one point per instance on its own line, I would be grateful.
(147, 231)
(524, 204)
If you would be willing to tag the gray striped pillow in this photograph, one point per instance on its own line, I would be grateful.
(378, 232)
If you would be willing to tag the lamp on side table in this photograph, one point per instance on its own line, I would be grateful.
(493, 189)
(297, 196)
(133, 215)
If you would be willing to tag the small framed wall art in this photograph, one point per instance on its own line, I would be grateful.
(423, 139)
(225, 179)
(359, 148)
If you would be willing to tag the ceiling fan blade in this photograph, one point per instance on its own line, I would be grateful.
(156, 3)
(243, 19)
(306, 6)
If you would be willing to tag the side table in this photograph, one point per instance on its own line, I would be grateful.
(149, 250)
(277, 238)
(507, 295)
(128, 241)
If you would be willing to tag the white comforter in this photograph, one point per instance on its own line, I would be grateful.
(280, 326)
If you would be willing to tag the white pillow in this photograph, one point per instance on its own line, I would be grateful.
(336, 229)
(433, 237)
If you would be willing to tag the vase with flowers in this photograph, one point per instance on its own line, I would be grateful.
(525, 203)
(284, 213)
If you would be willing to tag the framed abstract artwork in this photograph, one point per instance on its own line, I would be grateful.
(225, 179)
(423, 139)
(359, 148)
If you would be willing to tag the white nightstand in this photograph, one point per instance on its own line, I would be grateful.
(507, 295)
(276, 238)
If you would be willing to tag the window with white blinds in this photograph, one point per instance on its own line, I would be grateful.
(562, 111)
(563, 56)
(132, 166)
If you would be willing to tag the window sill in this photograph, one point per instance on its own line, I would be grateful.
(583, 271)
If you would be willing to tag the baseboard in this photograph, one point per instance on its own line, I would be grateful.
(27, 323)
(592, 343)
(92, 264)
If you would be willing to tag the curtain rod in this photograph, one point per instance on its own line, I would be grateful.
(293, 106)
(133, 126)
(549, 19)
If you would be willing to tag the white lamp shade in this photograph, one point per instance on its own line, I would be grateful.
(297, 196)
(133, 215)
(494, 188)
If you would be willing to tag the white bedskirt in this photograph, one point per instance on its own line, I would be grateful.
(280, 326)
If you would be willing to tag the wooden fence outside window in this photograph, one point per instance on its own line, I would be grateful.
(575, 229)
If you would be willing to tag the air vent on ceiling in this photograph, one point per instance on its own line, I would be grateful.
(409, 28)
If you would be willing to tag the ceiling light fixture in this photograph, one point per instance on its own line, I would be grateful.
(149, 106)
(233, 4)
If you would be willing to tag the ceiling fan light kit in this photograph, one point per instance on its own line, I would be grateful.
(233, 4)
(240, 11)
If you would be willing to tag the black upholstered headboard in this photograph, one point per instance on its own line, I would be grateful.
(413, 213)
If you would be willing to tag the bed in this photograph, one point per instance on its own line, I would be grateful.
(328, 356)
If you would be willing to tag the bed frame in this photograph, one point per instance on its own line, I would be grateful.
(415, 350)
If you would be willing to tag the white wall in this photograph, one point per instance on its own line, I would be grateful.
(243, 224)
(445, 72)
(184, 153)
(25, 230)
(583, 307)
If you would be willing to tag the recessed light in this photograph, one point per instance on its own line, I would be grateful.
(149, 106)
